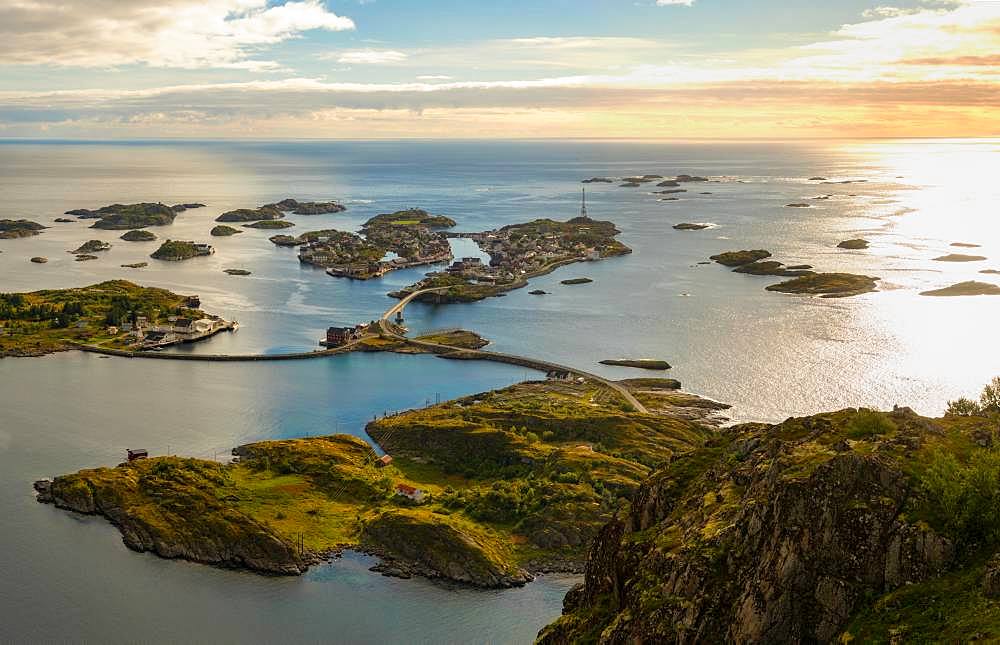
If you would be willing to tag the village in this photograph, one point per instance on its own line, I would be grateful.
(387, 242)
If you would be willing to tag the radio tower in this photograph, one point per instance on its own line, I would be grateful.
(583, 204)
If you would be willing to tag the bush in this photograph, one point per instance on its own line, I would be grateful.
(867, 424)
(963, 407)
(963, 500)
(989, 400)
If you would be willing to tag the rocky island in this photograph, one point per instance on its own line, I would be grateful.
(270, 224)
(828, 285)
(15, 228)
(852, 526)
(127, 216)
(641, 363)
(138, 236)
(92, 246)
(251, 214)
(309, 208)
(969, 288)
(960, 257)
(484, 490)
(175, 250)
(224, 231)
(517, 253)
(572, 281)
(855, 244)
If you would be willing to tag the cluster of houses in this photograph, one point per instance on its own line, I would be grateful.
(177, 329)
(347, 255)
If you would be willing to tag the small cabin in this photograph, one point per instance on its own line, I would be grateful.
(137, 453)
(409, 492)
(383, 461)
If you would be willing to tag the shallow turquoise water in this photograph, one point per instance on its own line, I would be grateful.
(771, 356)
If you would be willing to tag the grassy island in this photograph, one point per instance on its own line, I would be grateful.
(251, 214)
(828, 285)
(308, 208)
(884, 524)
(128, 216)
(41, 322)
(14, 228)
(175, 251)
(224, 231)
(517, 253)
(138, 236)
(483, 490)
(270, 224)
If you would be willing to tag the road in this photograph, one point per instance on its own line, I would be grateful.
(512, 359)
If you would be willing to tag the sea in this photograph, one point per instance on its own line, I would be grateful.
(65, 577)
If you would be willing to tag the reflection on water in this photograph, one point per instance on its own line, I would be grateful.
(770, 355)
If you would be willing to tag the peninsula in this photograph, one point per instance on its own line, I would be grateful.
(486, 490)
(115, 314)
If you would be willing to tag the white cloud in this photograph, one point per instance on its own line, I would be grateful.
(368, 57)
(434, 77)
(887, 12)
(160, 33)
(671, 3)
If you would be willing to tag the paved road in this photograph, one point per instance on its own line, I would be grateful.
(513, 359)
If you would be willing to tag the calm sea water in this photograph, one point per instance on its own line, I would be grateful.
(770, 355)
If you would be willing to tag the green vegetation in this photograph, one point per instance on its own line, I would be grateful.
(903, 512)
(308, 208)
(988, 404)
(130, 216)
(11, 228)
(224, 231)
(41, 322)
(138, 236)
(510, 480)
(176, 250)
(250, 214)
(410, 217)
(270, 224)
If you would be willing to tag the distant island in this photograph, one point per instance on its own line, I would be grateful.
(127, 216)
(804, 280)
(224, 231)
(139, 236)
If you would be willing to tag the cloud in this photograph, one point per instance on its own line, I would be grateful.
(434, 77)
(671, 3)
(159, 33)
(368, 57)
(961, 61)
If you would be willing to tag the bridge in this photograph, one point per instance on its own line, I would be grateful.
(460, 353)
(444, 351)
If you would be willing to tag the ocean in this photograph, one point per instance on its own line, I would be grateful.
(769, 355)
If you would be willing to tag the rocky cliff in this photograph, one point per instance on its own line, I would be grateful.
(777, 534)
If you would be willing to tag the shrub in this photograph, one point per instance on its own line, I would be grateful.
(963, 500)
(989, 400)
(963, 407)
(867, 424)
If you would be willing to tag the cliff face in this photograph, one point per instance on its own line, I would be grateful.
(769, 534)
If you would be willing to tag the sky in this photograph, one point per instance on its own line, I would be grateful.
(646, 69)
